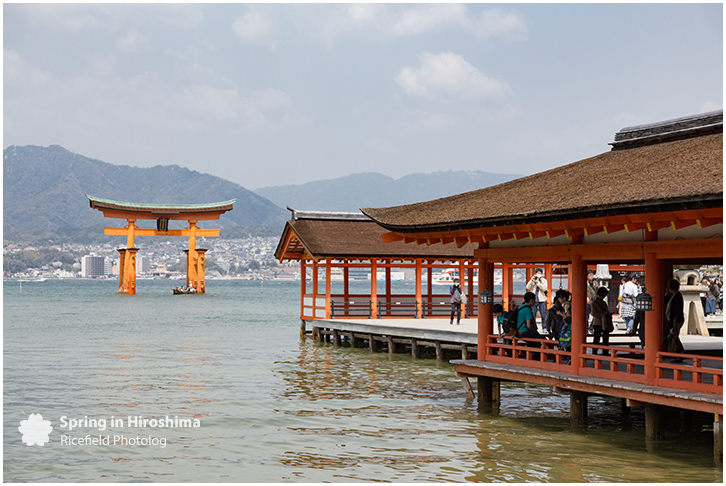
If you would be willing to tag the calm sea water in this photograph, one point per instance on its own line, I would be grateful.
(274, 408)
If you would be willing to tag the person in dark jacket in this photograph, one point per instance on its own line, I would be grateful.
(456, 293)
(601, 318)
(675, 318)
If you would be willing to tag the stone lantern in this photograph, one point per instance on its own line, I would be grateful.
(691, 289)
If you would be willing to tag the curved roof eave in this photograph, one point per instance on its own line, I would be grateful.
(98, 203)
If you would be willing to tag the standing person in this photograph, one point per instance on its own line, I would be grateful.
(456, 293)
(601, 318)
(623, 281)
(630, 292)
(538, 286)
(556, 314)
(591, 292)
(711, 296)
(675, 318)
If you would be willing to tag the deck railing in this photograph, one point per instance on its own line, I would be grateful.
(686, 376)
(360, 307)
(620, 362)
(534, 353)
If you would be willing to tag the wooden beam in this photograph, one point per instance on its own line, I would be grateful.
(706, 222)
(656, 225)
(153, 232)
(706, 248)
(679, 224)
(630, 227)
(613, 228)
(554, 233)
(537, 234)
(390, 237)
(592, 230)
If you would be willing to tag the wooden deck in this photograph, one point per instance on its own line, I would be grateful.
(694, 384)
(636, 393)
(433, 329)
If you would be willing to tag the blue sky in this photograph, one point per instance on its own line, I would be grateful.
(268, 94)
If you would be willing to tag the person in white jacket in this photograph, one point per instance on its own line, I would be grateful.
(538, 286)
(629, 292)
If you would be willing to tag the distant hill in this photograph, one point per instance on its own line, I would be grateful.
(44, 194)
(371, 189)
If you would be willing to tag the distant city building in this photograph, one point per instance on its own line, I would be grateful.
(93, 266)
(108, 266)
(143, 264)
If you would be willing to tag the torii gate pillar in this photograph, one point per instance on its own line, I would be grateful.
(127, 270)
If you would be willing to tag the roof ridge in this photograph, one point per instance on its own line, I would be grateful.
(328, 215)
(160, 206)
(669, 130)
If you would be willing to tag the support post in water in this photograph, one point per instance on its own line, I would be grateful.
(578, 407)
(718, 439)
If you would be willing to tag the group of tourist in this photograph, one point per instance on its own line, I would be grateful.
(557, 321)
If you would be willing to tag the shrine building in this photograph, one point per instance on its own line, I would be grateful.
(655, 198)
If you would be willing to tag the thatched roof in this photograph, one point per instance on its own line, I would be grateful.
(667, 173)
(352, 235)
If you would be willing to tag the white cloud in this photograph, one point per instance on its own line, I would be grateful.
(373, 22)
(421, 19)
(448, 75)
(496, 22)
(256, 27)
(131, 41)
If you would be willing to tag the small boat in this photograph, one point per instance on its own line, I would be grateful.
(183, 290)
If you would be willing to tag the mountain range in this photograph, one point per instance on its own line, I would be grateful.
(371, 189)
(44, 194)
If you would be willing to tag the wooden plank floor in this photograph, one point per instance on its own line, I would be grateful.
(434, 329)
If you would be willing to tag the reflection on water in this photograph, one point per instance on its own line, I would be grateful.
(274, 408)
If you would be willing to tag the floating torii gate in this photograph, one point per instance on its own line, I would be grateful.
(162, 213)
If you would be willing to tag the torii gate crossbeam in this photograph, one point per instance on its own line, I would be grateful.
(162, 213)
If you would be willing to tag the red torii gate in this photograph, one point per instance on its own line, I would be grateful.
(162, 213)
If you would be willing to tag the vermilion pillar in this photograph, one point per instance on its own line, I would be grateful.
(374, 288)
(654, 285)
(506, 285)
(328, 273)
(121, 268)
(200, 270)
(419, 299)
(578, 278)
(485, 319)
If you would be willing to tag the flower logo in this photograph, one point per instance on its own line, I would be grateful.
(35, 430)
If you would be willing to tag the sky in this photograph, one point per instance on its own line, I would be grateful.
(275, 94)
